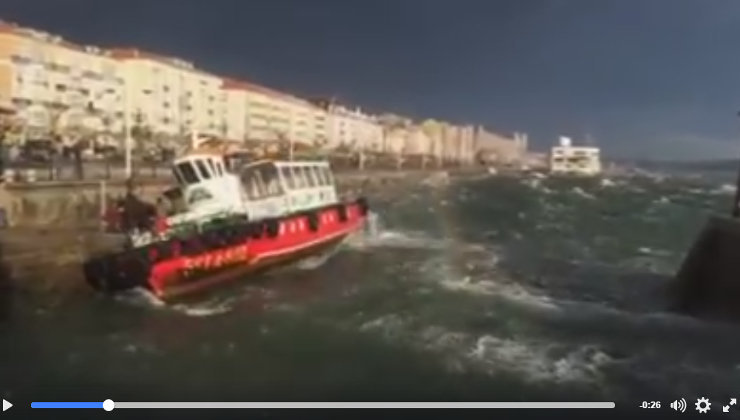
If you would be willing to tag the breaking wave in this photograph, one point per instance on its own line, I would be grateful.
(532, 360)
(140, 297)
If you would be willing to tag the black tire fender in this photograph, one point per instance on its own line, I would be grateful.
(342, 212)
(313, 221)
(272, 227)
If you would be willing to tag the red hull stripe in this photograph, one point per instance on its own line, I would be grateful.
(295, 237)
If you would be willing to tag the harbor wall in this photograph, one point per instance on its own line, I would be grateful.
(76, 203)
(79, 204)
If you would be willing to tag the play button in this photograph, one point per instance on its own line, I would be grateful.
(6, 405)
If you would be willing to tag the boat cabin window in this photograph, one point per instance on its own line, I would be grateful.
(253, 187)
(178, 178)
(319, 175)
(298, 178)
(288, 176)
(187, 173)
(327, 175)
(269, 177)
(204, 173)
(216, 168)
(310, 181)
(261, 182)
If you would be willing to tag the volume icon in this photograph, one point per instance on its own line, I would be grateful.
(679, 405)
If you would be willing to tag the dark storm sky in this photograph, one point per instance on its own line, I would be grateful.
(658, 78)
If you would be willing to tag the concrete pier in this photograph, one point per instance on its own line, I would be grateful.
(75, 203)
(49, 204)
(708, 282)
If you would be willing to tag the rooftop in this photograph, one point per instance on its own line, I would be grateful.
(131, 53)
(34, 34)
(235, 84)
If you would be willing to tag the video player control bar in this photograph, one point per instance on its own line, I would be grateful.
(109, 405)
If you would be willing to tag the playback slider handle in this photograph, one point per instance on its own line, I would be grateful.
(109, 405)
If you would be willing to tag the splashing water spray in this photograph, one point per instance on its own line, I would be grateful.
(372, 225)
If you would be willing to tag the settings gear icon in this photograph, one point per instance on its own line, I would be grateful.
(703, 405)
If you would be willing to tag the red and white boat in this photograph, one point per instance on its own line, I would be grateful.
(234, 221)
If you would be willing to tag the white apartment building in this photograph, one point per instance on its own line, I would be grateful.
(235, 110)
(170, 96)
(56, 86)
(574, 160)
(255, 112)
(308, 123)
(352, 128)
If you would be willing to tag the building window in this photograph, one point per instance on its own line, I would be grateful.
(17, 59)
(91, 75)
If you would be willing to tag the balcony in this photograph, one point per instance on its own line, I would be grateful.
(59, 68)
(21, 60)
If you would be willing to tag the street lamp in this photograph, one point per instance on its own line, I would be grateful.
(127, 134)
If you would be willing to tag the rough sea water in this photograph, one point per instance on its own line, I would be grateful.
(487, 289)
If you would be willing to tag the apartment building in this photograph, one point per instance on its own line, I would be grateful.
(235, 110)
(351, 127)
(169, 96)
(257, 113)
(308, 123)
(56, 86)
(493, 148)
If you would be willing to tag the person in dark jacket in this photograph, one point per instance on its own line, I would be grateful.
(137, 214)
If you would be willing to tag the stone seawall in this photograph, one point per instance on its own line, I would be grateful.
(78, 204)
(50, 204)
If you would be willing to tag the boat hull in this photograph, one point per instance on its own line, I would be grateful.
(187, 265)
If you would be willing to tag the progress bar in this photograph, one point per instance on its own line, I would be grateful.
(109, 405)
